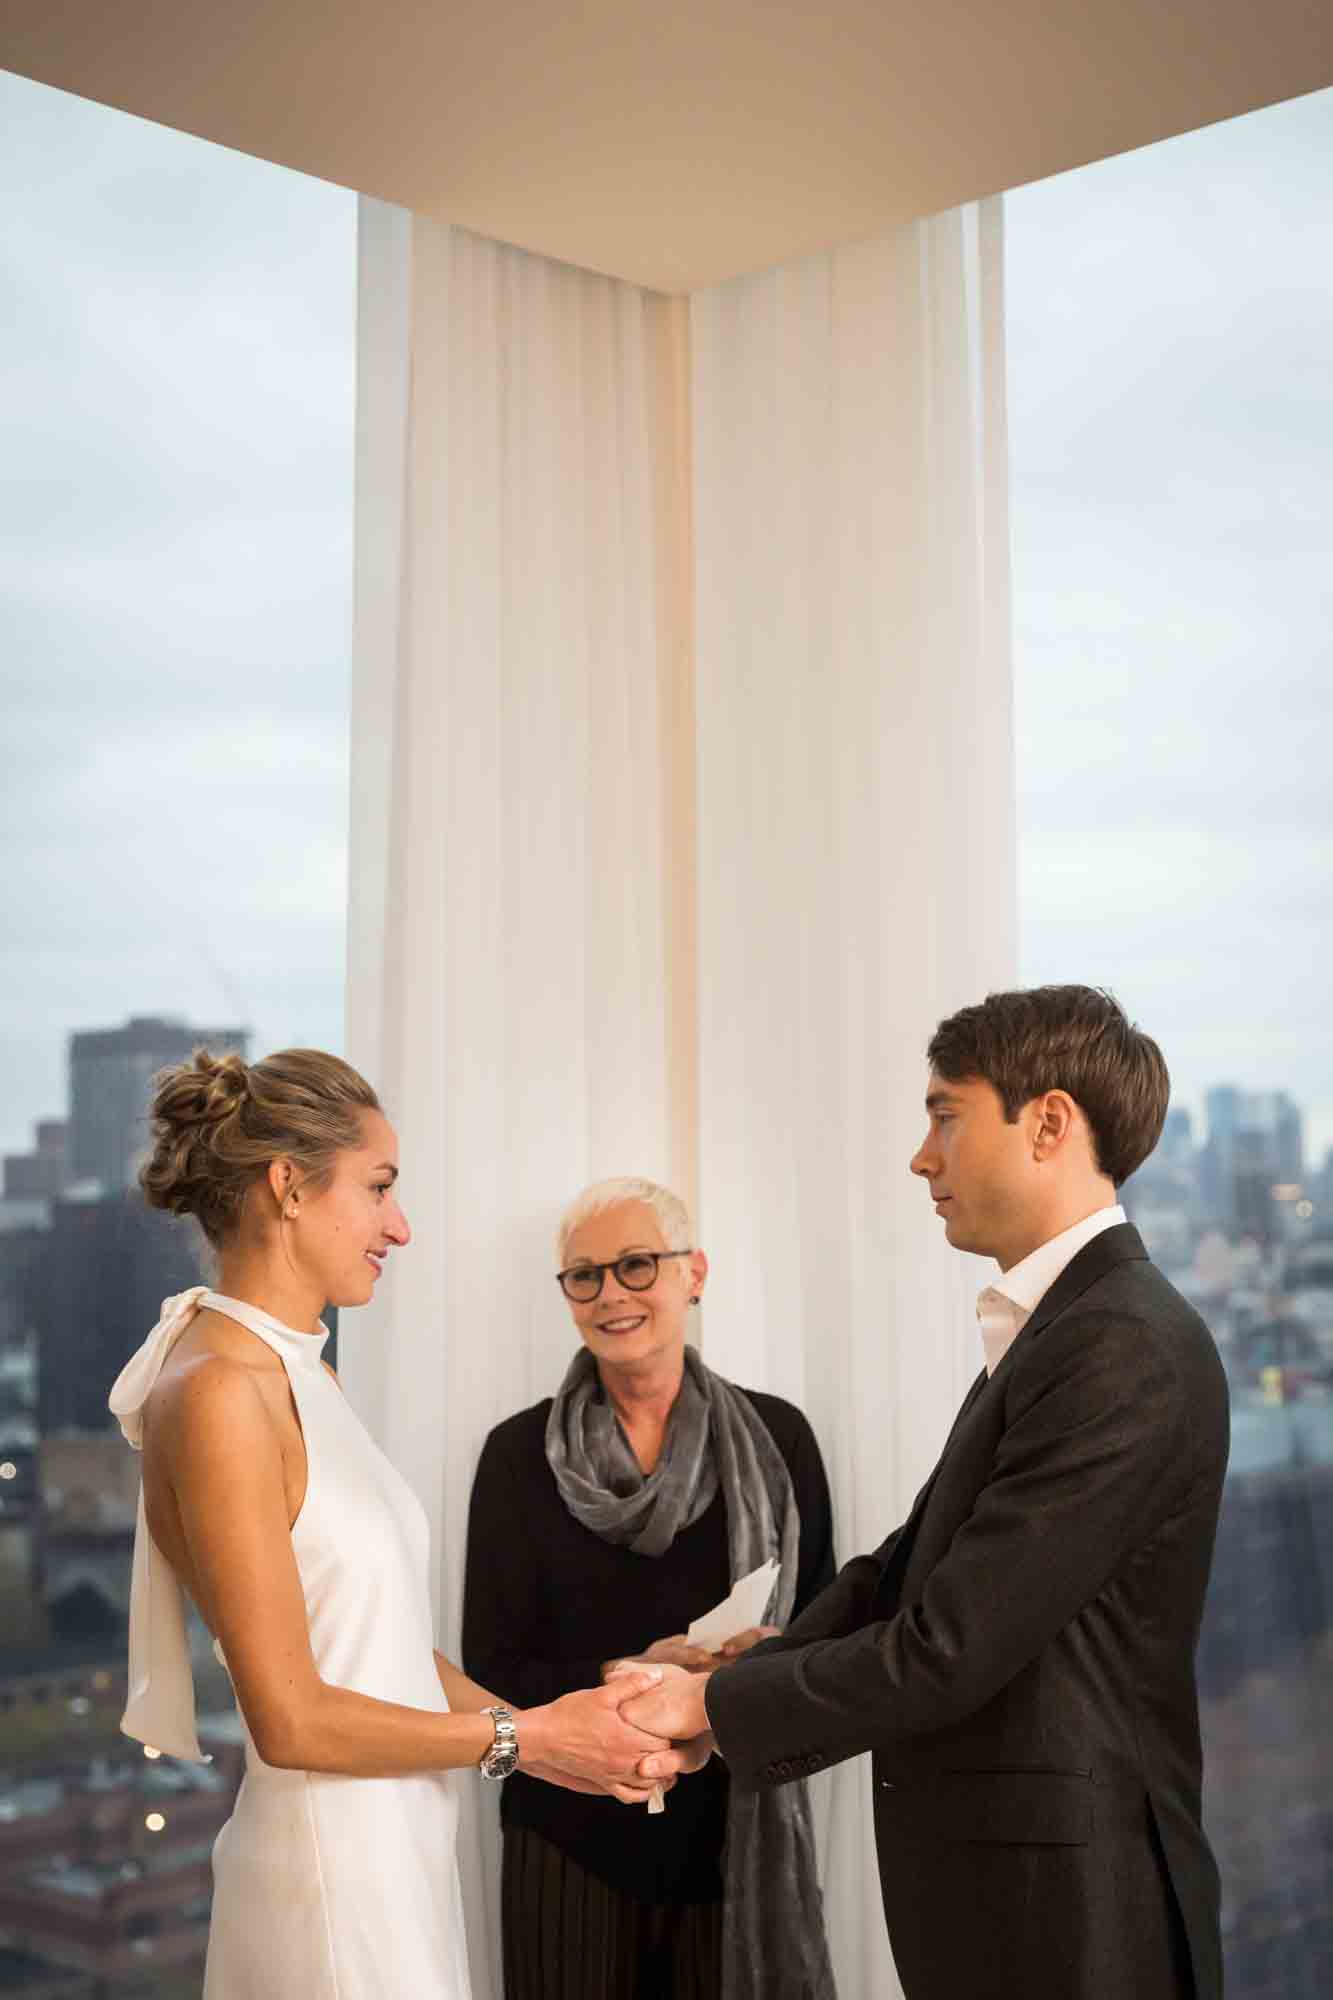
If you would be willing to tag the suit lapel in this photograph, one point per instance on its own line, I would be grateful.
(972, 1397)
(902, 1547)
(1119, 1245)
(969, 1399)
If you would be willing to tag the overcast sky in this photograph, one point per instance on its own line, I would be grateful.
(175, 549)
(175, 576)
(1170, 342)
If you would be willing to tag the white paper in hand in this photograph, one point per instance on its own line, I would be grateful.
(738, 1612)
(743, 1607)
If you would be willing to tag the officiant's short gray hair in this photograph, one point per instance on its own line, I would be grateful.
(670, 1210)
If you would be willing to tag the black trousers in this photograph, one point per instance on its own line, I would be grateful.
(567, 1935)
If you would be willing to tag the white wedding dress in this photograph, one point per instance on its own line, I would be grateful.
(325, 1888)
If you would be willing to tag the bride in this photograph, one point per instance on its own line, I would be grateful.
(307, 1555)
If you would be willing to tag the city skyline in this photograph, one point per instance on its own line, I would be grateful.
(173, 1036)
(1319, 1141)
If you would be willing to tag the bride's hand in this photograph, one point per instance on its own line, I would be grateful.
(583, 1735)
(635, 1791)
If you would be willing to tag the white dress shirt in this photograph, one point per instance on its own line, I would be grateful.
(1004, 1308)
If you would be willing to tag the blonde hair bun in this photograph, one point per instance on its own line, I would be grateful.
(218, 1122)
(203, 1091)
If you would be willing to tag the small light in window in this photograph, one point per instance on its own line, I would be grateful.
(154, 1822)
(149, 1751)
(1305, 1209)
(8, 1469)
(79, 1704)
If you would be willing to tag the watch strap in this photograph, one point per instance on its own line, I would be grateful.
(502, 1757)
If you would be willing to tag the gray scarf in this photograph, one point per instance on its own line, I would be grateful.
(773, 1944)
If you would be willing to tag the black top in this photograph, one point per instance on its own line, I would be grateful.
(546, 1601)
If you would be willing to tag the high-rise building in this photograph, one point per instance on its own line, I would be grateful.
(1255, 1143)
(107, 1263)
(1279, 1119)
(41, 1174)
(1177, 1138)
(110, 1082)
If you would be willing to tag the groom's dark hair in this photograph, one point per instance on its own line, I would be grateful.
(1072, 1038)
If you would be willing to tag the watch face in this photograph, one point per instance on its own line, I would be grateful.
(502, 1756)
(498, 1762)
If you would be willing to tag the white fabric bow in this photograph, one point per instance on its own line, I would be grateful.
(160, 1709)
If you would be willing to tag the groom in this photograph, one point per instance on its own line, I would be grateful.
(1018, 1657)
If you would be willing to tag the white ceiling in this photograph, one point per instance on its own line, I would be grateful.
(677, 142)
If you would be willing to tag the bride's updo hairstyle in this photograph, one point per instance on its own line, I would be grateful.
(218, 1122)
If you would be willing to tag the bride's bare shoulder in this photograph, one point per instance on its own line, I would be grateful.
(214, 1336)
(211, 1378)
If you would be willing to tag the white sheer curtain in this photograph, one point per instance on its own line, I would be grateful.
(856, 857)
(606, 918)
(513, 825)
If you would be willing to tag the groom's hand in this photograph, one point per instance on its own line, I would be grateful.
(674, 1708)
(584, 1735)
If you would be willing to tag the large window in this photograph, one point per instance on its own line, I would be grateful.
(175, 576)
(1171, 389)
(175, 558)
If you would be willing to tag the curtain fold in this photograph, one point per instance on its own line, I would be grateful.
(682, 809)
(856, 855)
(512, 823)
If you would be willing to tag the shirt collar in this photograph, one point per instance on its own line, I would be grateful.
(1028, 1282)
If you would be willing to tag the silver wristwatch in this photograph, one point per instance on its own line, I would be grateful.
(502, 1757)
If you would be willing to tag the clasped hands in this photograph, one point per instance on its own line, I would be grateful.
(675, 1709)
(637, 1733)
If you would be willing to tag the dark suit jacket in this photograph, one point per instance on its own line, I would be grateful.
(1019, 1660)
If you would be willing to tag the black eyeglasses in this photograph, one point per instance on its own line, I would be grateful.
(636, 1271)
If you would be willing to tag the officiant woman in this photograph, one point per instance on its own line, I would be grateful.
(602, 1523)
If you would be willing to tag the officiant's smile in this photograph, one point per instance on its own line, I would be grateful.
(629, 1292)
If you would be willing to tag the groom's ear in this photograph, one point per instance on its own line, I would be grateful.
(1055, 1119)
(698, 1270)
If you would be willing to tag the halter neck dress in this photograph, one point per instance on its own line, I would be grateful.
(325, 1887)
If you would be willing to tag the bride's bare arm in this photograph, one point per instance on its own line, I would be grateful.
(461, 1693)
(211, 1437)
